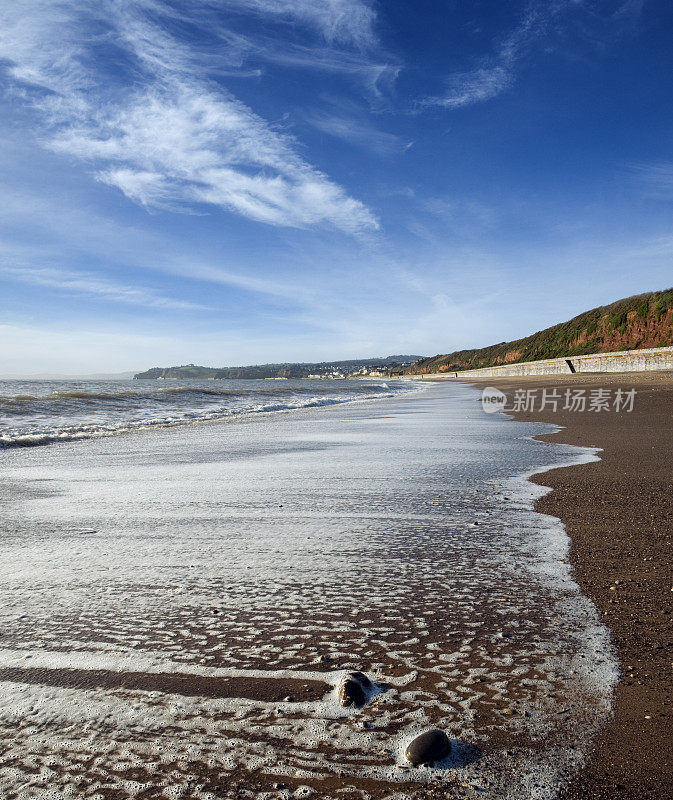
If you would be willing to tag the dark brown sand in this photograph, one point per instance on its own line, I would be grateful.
(188, 685)
(618, 514)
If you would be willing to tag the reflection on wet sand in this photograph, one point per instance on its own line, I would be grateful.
(180, 611)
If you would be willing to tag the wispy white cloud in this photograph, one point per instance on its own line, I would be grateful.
(56, 235)
(212, 273)
(477, 86)
(373, 71)
(629, 11)
(348, 21)
(177, 140)
(656, 179)
(185, 145)
(464, 215)
(86, 283)
(358, 132)
(496, 72)
(346, 45)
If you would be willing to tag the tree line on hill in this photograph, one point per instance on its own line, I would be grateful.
(644, 320)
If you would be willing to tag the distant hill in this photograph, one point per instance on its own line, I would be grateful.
(360, 367)
(645, 320)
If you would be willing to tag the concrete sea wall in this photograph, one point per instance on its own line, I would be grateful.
(656, 358)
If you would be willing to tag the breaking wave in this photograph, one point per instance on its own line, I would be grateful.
(46, 411)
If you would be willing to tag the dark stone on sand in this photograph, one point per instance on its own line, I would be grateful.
(433, 745)
(361, 678)
(352, 689)
(351, 693)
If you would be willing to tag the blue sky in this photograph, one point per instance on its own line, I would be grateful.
(241, 181)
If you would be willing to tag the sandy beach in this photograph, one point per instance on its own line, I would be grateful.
(263, 536)
(180, 604)
(617, 512)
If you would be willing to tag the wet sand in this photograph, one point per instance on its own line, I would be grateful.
(619, 515)
(177, 607)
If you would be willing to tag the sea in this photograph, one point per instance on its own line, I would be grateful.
(35, 412)
(188, 570)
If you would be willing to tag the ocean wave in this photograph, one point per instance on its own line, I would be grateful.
(166, 394)
(48, 434)
(80, 395)
(17, 398)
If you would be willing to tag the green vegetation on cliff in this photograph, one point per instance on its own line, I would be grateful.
(645, 320)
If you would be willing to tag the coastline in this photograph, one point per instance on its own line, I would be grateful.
(277, 554)
(617, 513)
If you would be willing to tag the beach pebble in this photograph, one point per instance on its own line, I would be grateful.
(351, 689)
(433, 745)
(361, 678)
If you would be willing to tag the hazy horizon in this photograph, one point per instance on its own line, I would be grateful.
(230, 183)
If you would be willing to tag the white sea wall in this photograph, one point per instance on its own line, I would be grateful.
(655, 358)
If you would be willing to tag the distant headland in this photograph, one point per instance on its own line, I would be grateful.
(355, 368)
(634, 323)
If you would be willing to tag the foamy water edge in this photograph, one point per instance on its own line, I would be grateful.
(549, 545)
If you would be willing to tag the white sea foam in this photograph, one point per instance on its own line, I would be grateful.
(257, 551)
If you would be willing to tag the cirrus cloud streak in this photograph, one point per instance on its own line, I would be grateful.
(120, 91)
